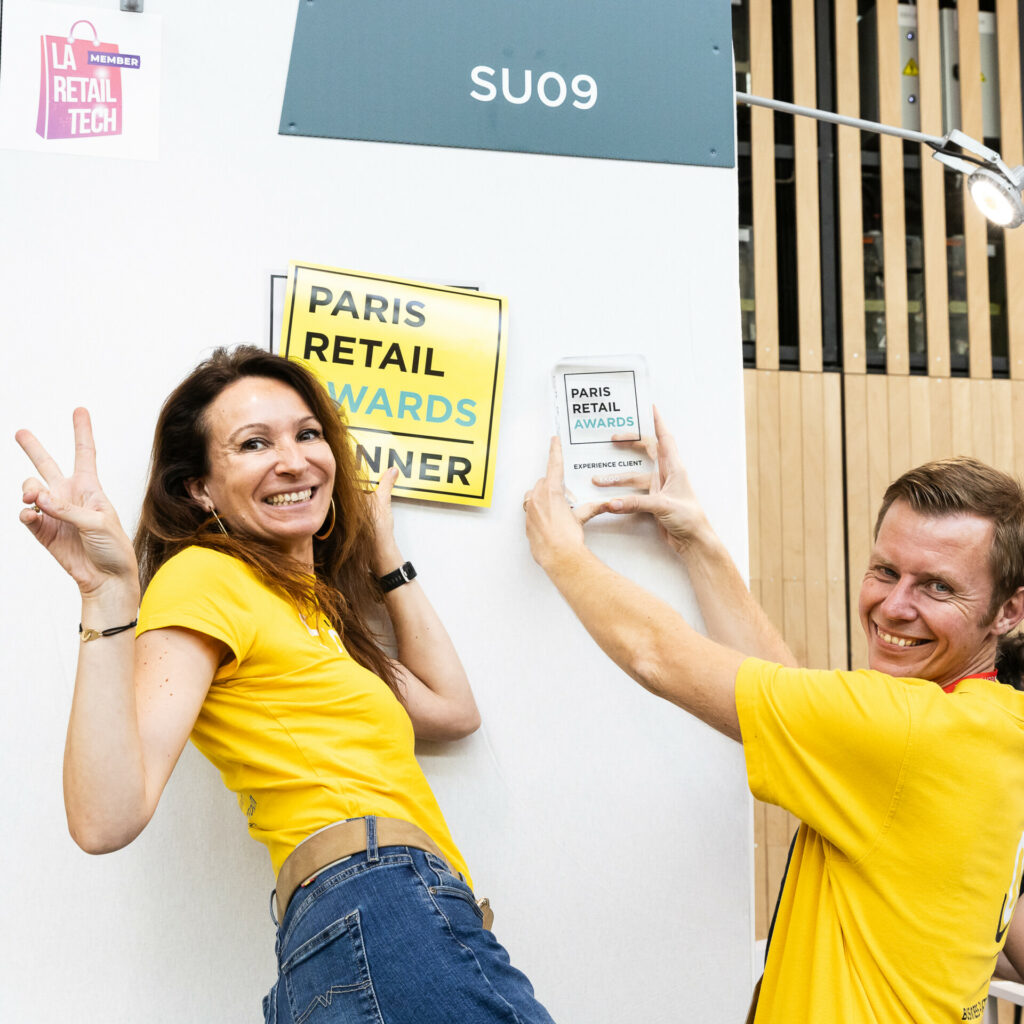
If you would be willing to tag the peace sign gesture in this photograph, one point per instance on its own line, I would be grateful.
(71, 516)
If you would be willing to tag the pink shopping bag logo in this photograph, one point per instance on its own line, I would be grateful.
(79, 94)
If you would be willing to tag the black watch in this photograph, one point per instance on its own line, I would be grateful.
(403, 574)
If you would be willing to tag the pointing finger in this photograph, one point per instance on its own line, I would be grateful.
(666, 442)
(85, 447)
(584, 513)
(659, 422)
(41, 458)
(29, 489)
(638, 480)
(555, 472)
(627, 504)
(646, 446)
(31, 518)
(387, 482)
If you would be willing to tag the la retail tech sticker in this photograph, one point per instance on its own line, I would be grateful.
(82, 80)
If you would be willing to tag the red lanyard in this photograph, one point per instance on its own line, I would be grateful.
(950, 687)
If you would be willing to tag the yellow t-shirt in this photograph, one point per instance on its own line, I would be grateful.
(908, 864)
(301, 733)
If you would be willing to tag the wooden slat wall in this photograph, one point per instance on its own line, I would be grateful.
(933, 191)
(762, 911)
(794, 476)
(762, 167)
(858, 501)
(764, 494)
(975, 225)
(851, 215)
(769, 509)
(894, 223)
(835, 526)
(791, 481)
(805, 156)
(1012, 149)
(811, 557)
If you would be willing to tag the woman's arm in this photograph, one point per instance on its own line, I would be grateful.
(135, 700)
(133, 709)
(436, 690)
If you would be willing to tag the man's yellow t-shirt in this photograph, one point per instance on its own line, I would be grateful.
(908, 863)
(301, 733)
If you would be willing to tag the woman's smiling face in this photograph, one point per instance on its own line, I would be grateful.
(271, 470)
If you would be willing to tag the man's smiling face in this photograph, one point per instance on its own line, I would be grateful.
(925, 602)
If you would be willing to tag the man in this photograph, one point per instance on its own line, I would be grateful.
(908, 778)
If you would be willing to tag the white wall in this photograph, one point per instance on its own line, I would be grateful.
(611, 831)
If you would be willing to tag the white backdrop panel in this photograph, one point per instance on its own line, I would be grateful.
(611, 831)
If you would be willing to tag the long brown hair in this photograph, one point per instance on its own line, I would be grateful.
(344, 587)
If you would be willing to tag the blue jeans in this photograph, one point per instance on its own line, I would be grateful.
(389, 936)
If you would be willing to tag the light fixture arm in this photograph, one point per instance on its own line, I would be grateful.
(954, 149)
(935, 141)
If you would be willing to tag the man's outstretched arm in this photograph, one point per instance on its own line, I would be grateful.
(642, 634)
(730, 613)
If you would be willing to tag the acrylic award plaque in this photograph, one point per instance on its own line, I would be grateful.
(602, 406)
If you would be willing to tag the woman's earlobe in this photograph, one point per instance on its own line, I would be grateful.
(199, 494)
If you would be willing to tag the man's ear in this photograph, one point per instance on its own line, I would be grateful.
(199, 494)
(1010, 612)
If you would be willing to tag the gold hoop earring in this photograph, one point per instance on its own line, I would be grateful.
(219, 523)
(330, 529)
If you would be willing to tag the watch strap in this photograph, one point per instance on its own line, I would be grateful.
(405, 573)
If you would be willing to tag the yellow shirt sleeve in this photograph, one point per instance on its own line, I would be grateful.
(829, 746)
(202, 590)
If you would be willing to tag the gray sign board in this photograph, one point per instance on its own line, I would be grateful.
(643, 80)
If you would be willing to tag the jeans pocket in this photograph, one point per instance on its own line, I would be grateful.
(452, 897)
(270, 1006)
(327, 978)
(462, 893)
(450, 886)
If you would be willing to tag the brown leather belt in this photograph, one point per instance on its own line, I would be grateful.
(342, 840)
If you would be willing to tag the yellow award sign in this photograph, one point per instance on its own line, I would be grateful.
(416, 369)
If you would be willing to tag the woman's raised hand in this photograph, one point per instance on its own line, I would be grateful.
(670, 498)
(75, 522)
(385, 546)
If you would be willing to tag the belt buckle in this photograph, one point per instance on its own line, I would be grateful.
(485, 908)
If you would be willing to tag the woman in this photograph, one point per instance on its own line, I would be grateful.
(260, 557)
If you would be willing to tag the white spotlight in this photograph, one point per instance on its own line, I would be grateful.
(997, 196)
